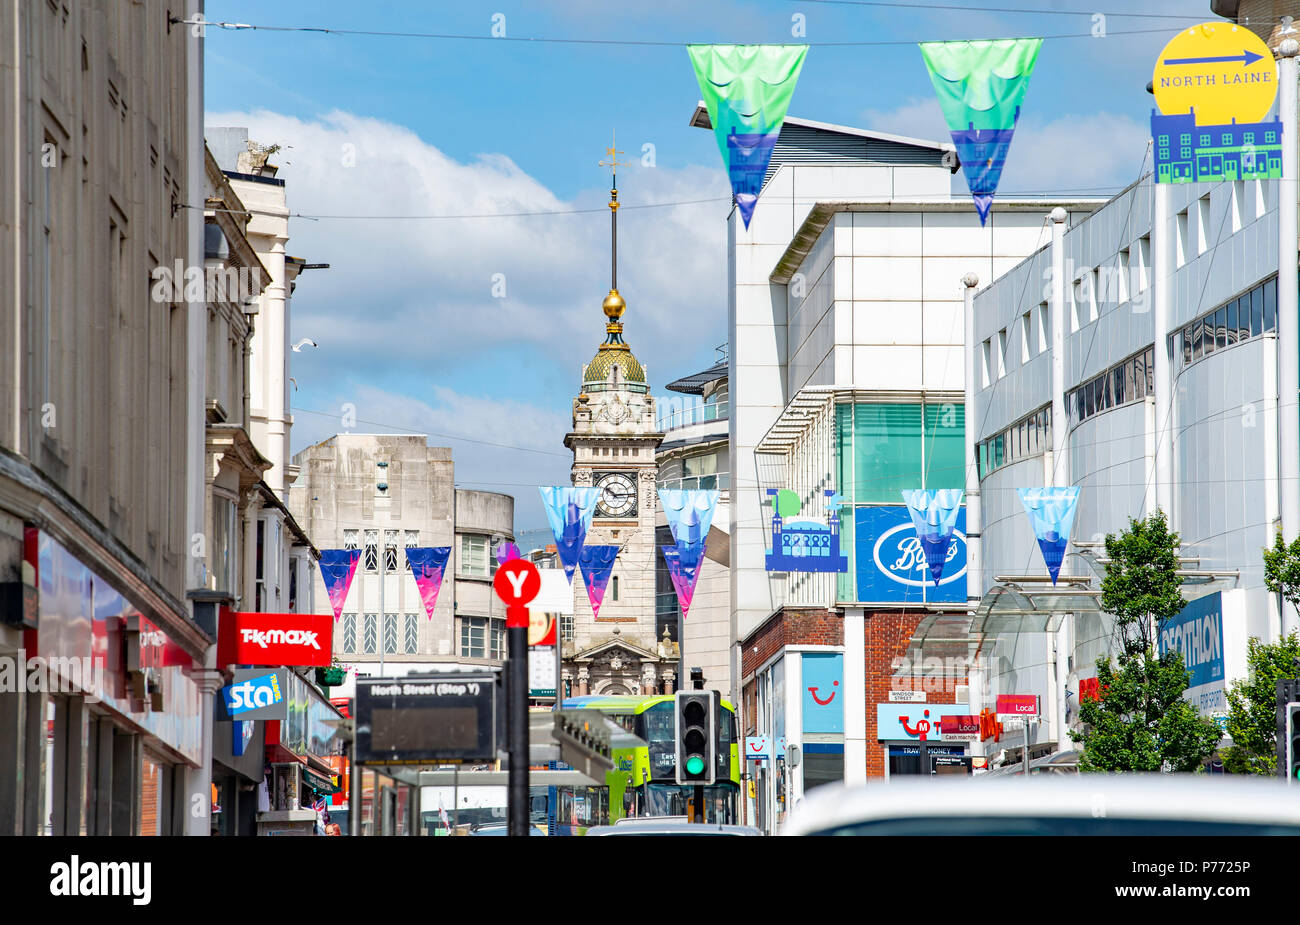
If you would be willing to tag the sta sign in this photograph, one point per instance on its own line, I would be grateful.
(257, 694)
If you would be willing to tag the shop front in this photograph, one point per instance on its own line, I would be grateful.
(301, 752)
(798, 744)
(926, 738)
(108, 694)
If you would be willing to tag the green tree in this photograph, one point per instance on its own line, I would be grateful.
(1282, 570)
(1252, 706)
(1142, 722)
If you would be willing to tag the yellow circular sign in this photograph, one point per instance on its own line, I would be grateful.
(1219, 71)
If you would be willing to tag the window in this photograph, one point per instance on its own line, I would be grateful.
(1182, 247)
(390, 550)
(349, 638)
(1144, 262)
(1235, 322)
(412, 540)
(615, 588)
(1002, 353)
(370, 634)
(390, 635)
(474, 556)
(371, 556)
(223, 543)
(1123, 278)
(411, 637)
(987, 354)
(349, 539)
(1203, 224)
(1121, 384)
(566, 626)
(481, 637)
(1238, 205)
(1030, 436)
(1026, 331)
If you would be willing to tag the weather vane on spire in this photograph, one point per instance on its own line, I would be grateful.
(613, 163)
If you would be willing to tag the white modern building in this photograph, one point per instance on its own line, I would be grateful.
(846, 377)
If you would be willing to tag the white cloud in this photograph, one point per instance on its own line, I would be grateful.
(405, 291)
(1069, 153)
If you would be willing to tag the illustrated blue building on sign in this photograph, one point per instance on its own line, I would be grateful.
(804, 545)
(1189, 153)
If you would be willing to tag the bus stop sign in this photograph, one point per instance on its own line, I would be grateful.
(517, 582)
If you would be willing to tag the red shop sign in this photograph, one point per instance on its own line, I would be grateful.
(294, 639)
(959, 726)
(1018, 704)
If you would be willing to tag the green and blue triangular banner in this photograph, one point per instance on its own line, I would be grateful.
(747, 90)
(980, 87)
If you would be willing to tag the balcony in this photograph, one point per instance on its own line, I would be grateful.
(702, 413)
(721, 481)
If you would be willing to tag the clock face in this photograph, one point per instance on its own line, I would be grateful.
(617, 495)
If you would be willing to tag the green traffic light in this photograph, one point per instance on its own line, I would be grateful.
(695, 764)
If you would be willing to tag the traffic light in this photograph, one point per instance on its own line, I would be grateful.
(1293, 742)
(696, 736)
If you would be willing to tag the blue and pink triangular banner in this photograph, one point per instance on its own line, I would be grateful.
(428, 564)
(1051, 510)
(506, 551)
(934, 514)
(337, 569)
(569, 508)
(597, 565)
(683, 563)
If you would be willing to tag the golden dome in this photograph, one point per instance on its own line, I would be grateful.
(613, 305)
(609, 356)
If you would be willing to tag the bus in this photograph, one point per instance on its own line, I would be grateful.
(643, 780)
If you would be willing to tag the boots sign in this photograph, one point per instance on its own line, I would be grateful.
(297, 640)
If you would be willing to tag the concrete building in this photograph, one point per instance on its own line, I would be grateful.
(101, 426)
(381, 493)
(846, 386)
(614, 439)
(694, 455)
(1211, 258)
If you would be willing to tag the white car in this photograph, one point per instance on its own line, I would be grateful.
(1083, 804)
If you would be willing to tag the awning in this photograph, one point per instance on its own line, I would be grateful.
(1027, 604)
(318, 782)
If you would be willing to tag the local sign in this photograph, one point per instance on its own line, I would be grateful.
(1017, 705)
(959, 728)
(302, 640)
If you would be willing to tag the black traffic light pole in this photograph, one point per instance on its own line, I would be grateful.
(517, 726)
(697, 682)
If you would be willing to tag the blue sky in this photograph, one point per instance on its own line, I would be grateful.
(410, 329)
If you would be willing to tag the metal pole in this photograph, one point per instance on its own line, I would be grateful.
(1161, 281)
(517, 726)
(383, 555)
(1060, 466)
(455, 796)
(354, 779)
(1026, 754)
(1288, 311)
(974, 583)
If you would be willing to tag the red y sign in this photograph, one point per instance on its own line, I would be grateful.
(517, 582)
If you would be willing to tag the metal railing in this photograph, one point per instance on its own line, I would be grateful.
(702, 413)
(721, 481)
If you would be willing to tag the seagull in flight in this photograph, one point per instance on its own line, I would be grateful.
(305, 342)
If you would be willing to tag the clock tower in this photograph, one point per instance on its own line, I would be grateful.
(613, 440)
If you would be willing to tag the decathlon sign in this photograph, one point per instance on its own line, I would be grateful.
(257, 694)
(1197, 632)
(293, 639)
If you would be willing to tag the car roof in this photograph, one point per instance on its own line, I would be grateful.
(665, 827)
(1196, 797)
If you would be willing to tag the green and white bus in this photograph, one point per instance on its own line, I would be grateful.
(643, 781)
